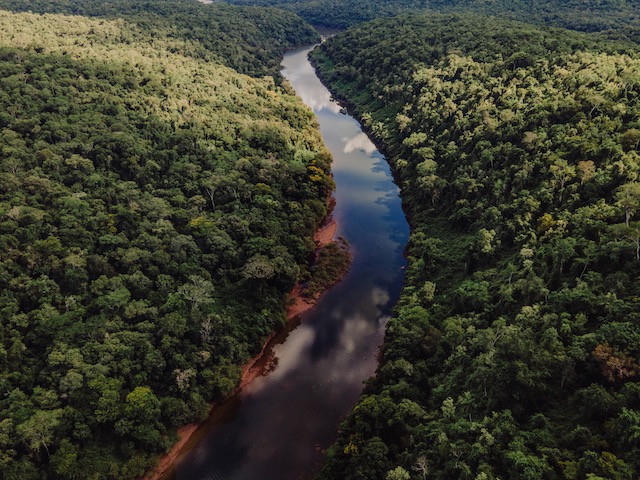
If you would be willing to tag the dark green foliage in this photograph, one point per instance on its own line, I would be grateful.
(623, 16)
(515, 351)
(155, 210)
(331, 264)
(249, 40)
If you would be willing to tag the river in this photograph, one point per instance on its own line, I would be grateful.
(277, 427)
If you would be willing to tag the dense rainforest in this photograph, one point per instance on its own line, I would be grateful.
(155, 209)
(587, 15)
(515, 349)
(249, 40)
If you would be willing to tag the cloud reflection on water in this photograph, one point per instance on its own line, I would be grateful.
(278, 425)
(380, 296)
(319, 100)
(359, 142)
(288, 358)
(352, 362)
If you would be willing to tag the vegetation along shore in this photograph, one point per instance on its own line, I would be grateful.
(162, 198)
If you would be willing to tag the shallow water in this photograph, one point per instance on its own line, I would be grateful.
(277, 427)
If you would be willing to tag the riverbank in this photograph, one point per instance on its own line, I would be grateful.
(317, 365)
(297, 304)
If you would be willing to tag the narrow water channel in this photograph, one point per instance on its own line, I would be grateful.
(277, 427)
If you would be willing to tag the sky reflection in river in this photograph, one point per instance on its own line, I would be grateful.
(359, 142)
(277, 427)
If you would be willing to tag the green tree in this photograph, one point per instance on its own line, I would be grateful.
(40, 429)
(628, 199)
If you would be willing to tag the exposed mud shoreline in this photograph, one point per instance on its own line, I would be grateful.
(296, 305)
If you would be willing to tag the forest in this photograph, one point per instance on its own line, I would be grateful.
(249, 40)
(160, 186)
(156, 207)
(623, 16)
(515, 348)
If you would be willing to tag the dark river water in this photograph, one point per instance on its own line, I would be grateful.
(277, 427)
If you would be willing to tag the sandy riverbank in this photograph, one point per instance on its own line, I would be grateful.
(297, 305)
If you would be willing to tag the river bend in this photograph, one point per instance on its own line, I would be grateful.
(277, 427)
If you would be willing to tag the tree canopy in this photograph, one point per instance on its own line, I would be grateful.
(249, 40)
(586, 15)
(155, 209)
(515, 349)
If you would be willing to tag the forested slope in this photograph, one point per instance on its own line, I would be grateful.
(155, 209)
(515, 350)
(587, 15)
(249, 40)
